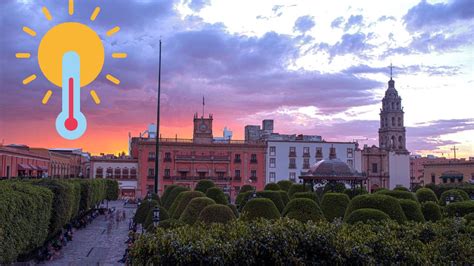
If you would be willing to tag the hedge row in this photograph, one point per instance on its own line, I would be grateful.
(290, 242)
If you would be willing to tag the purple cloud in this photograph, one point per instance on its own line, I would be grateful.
(354, 21)
(197, 5)
(304, 23)
(337, 22)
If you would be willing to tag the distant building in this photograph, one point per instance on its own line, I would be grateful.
(19, 161)
(417, 167)
(444, 171)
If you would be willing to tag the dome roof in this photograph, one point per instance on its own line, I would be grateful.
(331, 168)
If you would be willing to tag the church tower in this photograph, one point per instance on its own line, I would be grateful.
(392, 129)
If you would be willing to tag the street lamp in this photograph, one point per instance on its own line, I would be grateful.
(156, 216)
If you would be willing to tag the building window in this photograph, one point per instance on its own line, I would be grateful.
(292, 152)
(375, 168)
(167, 157)
(133, 173)
(237, 158)
(237, 174)
(118, 173)
(272, 177)
(125, 172)
(99, 172)
(167, 172)
(183, 174)
(350, 153)
(253, 158)
(202, 175)
(399, 121)
(393, 121)
(272, 150)
(306, 163)
(319, 153)
(109, 172)
(151, 156)
(433, 178)
(220, 175)
(253, 175)
(292, 163)
(350, 163)
(306, 152)
(292, 176)
(151, 172)
(272, 162)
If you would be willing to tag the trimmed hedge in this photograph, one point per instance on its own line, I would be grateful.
(387, 204)
(166, 194)
(216, 213)
(182, 201)
(284, 197)
(457, 194)
(217, 195)
(284, 184)
(459, 209)
(412, 210)
(204, 185)
(272, 186)
(334, 205)
(439, 189)
(273, 196)
(170, 224)
(400, 188)
(172, 196)
(259, 208)
(296, 188)
(289, 242)
(399, 194)
(242, 199)
(431, 211)
(365, 215)
(112, 190)
(234, 209)
(355, 192)
(334, 187)
(194, 208)
(149, 217)
(307, 195)
(303, 210)
(246, 188)
(426, 194)
(143, 209)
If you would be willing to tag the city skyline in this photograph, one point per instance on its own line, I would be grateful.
(315, 68)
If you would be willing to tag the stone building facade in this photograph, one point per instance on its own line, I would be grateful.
(449, 171)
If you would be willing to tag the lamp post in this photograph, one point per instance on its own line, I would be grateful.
(148, 196)
(156, 216)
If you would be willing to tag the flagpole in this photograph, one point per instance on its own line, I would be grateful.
(157, 145)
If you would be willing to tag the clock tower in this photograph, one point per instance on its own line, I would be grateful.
(202, 129)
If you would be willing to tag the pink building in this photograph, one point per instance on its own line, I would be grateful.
(19, 161)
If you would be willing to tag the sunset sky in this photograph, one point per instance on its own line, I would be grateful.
(315, 67)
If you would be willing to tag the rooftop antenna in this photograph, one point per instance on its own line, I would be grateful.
(391, 70)
(454, 149)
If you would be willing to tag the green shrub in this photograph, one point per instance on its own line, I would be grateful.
(334, 205)
(234, 209)
(217, 195)
(459, 209)
(246, 188)
(242, 199)
(284, 197)
(401, 188)
(273, 196)
(387, 204)
(399, 194)
(112, 190)
(431, 211)
(166, 194)
(204, 185)
(334, 187)
(307, 195)
(365, 215)
(272, 186)
(303, 210)
(172, 196)
(194, 208)
(296, 188)
(284, 184)
(143, 209)
(412, 210)
(170, 224)
(216, 213)
(355, 192)
(469, 217)
(182, 201)
(426, 194)
(149, 217)
(456, 194)
(259, 208)
(439, 189)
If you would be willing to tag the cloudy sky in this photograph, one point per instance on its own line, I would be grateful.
(315, 67)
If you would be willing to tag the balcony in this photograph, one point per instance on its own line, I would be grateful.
(237, 160)
(253, 179)
(202, 158)
(150, 177)
(221, 179)
(292, 154)
(253, 161)
(306, 155)
(167, 159)
(292, 166)
(151, 159)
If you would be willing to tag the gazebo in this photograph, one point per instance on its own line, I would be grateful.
(332, 170)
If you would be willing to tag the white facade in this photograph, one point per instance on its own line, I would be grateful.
(125, 172)
(279, 163)
(399, 170)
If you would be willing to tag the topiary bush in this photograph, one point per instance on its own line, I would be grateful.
(204, 185)
(307, 195)
(284, 185)
(172, 197)
(242, 199)
(431, 211)
(217, 195)
(170, 224)
(334, 205)
(296, 188)
(365, 215)
(194, 208)
(166, 194)
(149, 217)
(234, 209)
(182, 201)
(426, 194)
(355, 192)
(459, 209)
(143, 209)
(334, 187)
(401, 188)
(246, 188)
(272, 186)
(112, 189)
(216, 213)
(387, 204)
(412, 210)
(399, 194)
(284, 197)
(303, 210)
(456, 194)
(273, 196)
(259, 208)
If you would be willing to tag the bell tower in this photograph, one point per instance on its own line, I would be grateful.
(392, 130)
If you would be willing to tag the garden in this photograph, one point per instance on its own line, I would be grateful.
(32, 212)
(287, 223)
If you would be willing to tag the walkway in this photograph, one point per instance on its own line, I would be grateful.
(93, 245)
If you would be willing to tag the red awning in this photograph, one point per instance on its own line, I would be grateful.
(202, 170)
(24, 166)
(33, 167)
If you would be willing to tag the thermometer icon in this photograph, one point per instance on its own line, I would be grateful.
(71, 123)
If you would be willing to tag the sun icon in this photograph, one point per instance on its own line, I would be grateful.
(71, 56)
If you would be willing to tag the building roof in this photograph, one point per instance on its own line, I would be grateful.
(331, 168)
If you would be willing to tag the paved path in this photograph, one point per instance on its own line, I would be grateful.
(94, 245)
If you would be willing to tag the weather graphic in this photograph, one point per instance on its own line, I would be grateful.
(71, 56)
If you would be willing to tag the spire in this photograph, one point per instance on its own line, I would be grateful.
(391, 82)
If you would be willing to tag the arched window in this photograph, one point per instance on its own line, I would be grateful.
(393, 121)
(133, 173)
(118, 173)
(99, 172)
(393, 106)
(392, 142)
(398, 106)
(399, 121)
(125, 172)
(400, 142)
(109, 172)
